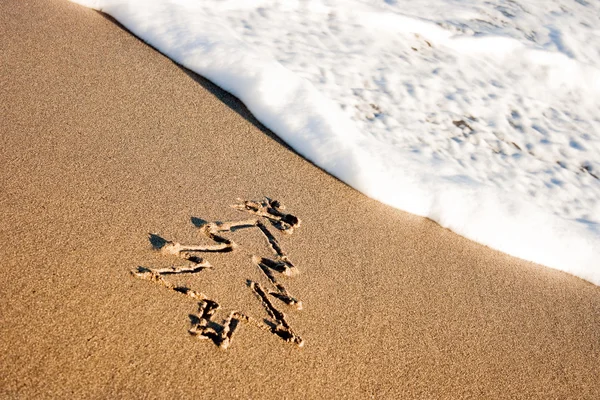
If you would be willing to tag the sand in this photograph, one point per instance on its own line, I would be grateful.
(103, 141)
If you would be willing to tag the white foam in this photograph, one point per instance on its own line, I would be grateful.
(483, 118)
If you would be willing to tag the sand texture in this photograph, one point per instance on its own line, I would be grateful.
(104, 141)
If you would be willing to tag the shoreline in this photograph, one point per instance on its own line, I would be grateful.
(104, 141)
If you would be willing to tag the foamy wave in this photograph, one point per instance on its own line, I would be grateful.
(482, 132)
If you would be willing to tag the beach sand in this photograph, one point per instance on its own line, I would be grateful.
(103, 141)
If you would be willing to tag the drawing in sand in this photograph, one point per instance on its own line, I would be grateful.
(203, 325)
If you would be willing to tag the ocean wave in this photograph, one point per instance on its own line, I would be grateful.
(483, 119)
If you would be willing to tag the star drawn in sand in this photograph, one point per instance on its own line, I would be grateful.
(203, 325)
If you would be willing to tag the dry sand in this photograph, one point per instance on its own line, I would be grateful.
(104, 140)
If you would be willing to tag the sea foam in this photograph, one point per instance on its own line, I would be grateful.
(483, 118)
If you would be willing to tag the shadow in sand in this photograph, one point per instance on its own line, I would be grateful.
(227, 98)
(235, 104)
(198, 222)
(156, 241)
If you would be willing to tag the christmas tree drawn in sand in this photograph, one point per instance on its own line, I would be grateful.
(203, 324)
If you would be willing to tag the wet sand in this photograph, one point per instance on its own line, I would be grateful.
(104, 140)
